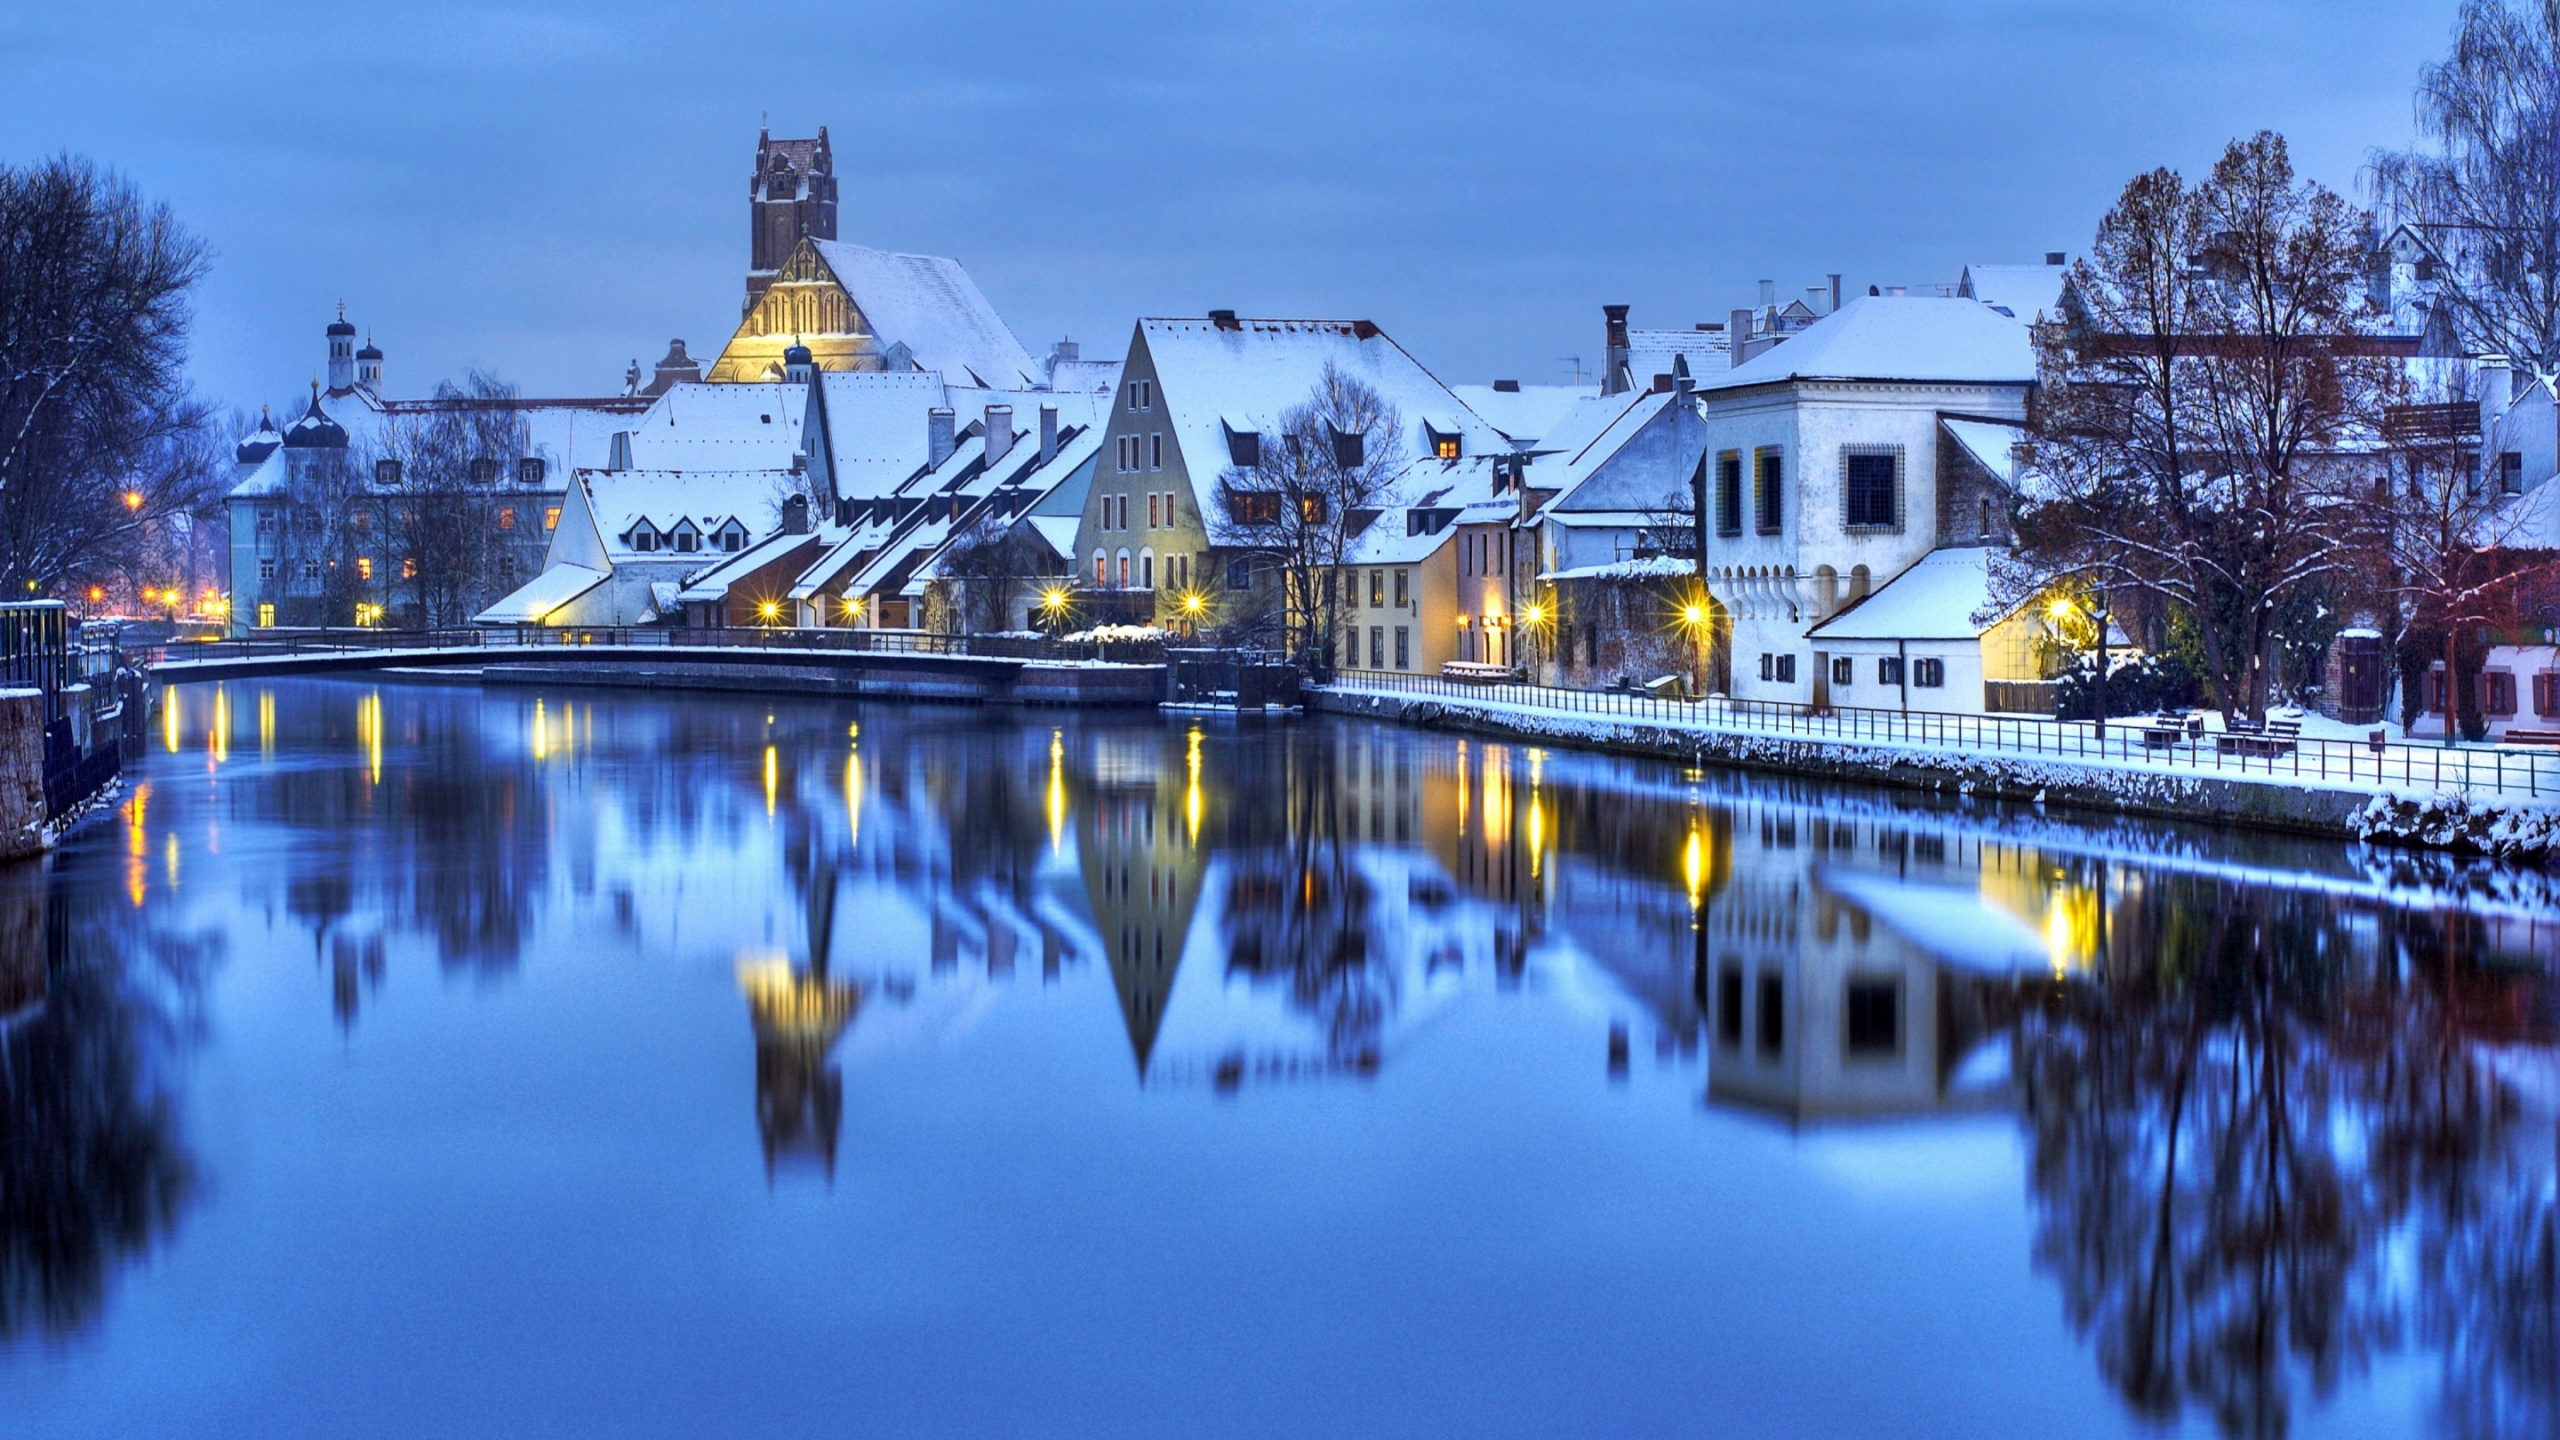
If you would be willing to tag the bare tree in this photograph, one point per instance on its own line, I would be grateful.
(1310, 490)
(451, 460)
(989, 566)
(2206, 402)
(2487, 195)
(100, 438)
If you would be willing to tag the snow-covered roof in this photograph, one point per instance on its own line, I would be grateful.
(1935, 599)
(1058, 532)
(1524, 413)
(876, 427)
(1992, 444)
(1650, 567)
(534, 600)
(720, 427)
(2027, 292)
(1089, 376)
(713, 582)
(267, 479)
(667, 498)
(1646, 433)
(2530, 521)
(1599, 519)
(930, 305)
(1210, 376)
(1387, 541)
(1650, 353)
(1895, 337)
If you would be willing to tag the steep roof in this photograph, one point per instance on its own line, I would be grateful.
(1650, 353)
(1646, 436)
(1210, 376)
(1895, 337)
(1935, 599)
(533, 601)
(1993, 445)
(930, 305)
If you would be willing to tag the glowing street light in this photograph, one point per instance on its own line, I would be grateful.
(770, 611)
(133, 499)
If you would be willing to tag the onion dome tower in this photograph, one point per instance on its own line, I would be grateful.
(342, 353)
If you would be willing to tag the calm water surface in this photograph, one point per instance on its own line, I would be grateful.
(401, 1059)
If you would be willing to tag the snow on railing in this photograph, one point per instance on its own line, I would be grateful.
(2135, 744)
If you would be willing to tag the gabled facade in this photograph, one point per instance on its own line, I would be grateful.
(1194, 401)
(856, 308)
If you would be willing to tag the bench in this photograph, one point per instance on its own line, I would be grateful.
(2163, 733)
(2276, 738)
(1476, 672)
(2516, 736)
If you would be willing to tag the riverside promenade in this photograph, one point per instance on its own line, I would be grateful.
(2496, 799)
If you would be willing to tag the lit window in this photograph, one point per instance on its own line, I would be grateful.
(551, 517)
(506, 517)
(364, 567)
(1447, 448)
(409, 568)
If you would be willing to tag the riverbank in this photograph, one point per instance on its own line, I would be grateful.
(2343, 809)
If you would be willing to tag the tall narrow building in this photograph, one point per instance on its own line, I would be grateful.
(791, 198)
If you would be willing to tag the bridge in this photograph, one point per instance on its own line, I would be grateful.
(912, 664)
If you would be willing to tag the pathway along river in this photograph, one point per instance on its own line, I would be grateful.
(402, 1059)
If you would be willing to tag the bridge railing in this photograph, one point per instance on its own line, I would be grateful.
(529, 643)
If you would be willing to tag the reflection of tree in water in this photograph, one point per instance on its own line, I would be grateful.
(1300, 913)
(2230, 1136)
(92, 1168)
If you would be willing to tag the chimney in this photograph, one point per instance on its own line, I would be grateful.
(795, 515)
(999, 433)
(1737, 336)
(1048, 433)
(938, 441)
(1813, 299)
(1613, 374)
(1768, 293)
(1834, 278)
(1068, 350)
(619, 457)
(1897, 289)
(1224, 320)
(2055, 258)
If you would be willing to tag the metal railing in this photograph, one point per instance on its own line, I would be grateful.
(2135, 744)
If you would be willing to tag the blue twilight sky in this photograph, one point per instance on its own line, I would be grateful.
(552, 190)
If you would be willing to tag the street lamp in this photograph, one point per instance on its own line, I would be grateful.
(1053, 604)
(769, 611)
(133, 499)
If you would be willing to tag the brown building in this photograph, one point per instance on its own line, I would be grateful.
(791, 198)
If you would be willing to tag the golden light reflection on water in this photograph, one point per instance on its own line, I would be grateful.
(137, 839)
(853, 797)
(772, 779)
(1693, 866)
(1191, 789)
(217, 740)
(1057, 792)
(369, 730)
(266, 724)
(169, 720)
(541, 731)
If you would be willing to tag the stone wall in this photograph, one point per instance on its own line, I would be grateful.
(22, 819)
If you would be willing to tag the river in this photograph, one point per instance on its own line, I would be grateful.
(398, 1058)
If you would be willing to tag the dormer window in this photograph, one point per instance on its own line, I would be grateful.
(1244, 446)
(1349, 446)
(530, 470)
(484, 472)
(386, 474)
(643, 538)
(688, 539)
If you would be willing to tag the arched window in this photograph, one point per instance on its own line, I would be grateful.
(1124, 569)
(1101, 570)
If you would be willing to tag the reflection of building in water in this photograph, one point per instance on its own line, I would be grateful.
(22, 945)
(1137, 842)
(1822, 1011)
(797, 1015)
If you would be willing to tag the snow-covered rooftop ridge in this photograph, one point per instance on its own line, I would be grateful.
(664, 498)
(1211, 376)
(2027, 292)
(1524, 413)
(929, 304)
(1935, 599)
(1895, 337)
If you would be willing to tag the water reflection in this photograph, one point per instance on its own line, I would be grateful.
(95, 1006)
(2286, 1110)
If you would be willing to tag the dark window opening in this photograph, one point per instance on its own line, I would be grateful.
(1872, 1018)
(1867, 486)
(1773, 1014)
(1729, 1004)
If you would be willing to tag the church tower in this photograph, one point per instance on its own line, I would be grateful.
(791, 197)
